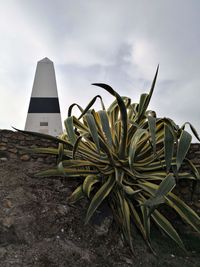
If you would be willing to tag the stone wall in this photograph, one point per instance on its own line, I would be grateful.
(13, 144)
(194, 154)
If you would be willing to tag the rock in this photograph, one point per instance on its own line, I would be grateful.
(25, 157)
(8, 222)
(128, 261)
(20, 137)
(185, 190)
(104, 227)
(197, 204)
(195, 161)
(3, 159)
(7, 204)
(2, 252)
(12, 150)
(49, 160)
(195, 147)
(3, 144)
(3, 148)
(40, 160)
(13, 156)
(62, 209)
(73, 249)
(29, 138)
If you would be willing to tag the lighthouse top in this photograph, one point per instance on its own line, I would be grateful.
(45, 60)
(45, 82)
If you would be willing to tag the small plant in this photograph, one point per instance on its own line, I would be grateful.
(126, 156)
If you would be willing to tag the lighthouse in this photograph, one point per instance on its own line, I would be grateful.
(44, 109)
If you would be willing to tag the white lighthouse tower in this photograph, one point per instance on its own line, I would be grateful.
(44, 110)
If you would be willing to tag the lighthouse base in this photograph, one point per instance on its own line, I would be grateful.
(49, 123)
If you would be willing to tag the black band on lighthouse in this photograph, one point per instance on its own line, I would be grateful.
(44, 105)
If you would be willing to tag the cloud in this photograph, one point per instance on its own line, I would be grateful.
(116, 42)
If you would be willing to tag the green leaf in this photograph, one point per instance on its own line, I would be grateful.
(127, 226)
(152, 86)
(142, 105)
(76, 195)
(137, 220)
(77, 144)
(145, 98)
(194, 131)
(101, 194)
(133, 146)
(153, 202)
(124, 216)
(77, 163)
(81, 127)
(69, 125)
(186, 213)
(67, 172)
(164, 188)
(172, 127)
(75, 147)
(183, 147)
(169, 147)
(71, 107)
(93, 129)
(105, 126)
(115, 105)
(91, 103)
(60, 167)
(146, 220)
(60, 152)
(88, 183)
(119, 175)
(163, 223)
(152, 129)
(124, 118)
(40, 150)
(193, 168)
(130, 191)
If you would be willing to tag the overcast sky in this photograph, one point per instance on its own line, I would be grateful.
(119, 42)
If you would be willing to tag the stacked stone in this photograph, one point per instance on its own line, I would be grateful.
(13, 145)
(194, 154)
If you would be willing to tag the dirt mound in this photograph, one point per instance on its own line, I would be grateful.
(39, 228)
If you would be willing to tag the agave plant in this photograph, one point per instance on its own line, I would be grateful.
(126, 156)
